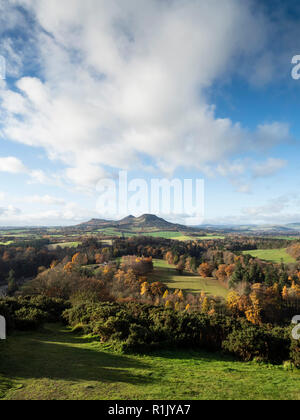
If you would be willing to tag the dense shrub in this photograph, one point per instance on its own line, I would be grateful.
(253, 342)
(29, 319)
(138, 328)
(28, 313)
(295, 352)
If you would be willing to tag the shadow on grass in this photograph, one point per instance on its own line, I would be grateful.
(201, 355)
(57, 355)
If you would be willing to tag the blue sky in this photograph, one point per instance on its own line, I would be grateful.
(162, 89)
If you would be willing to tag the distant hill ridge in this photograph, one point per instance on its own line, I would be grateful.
(151, 222)
(129, 222)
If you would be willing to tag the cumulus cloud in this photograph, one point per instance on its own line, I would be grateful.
(9, 212)
(273, 207)
(46, 199)
(122, 82)
(276, 211)
(12, 165)
(231, 169)
(69, 214)
(84, 176)
(242, 172)
(269, 168)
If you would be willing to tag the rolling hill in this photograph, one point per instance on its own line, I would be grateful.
(131, 223)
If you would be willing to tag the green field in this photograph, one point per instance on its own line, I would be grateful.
(109, 231)
(274, 255)
(189, 282)
(17, 234)
(64, 245)
(13, 231)
(179, 236)
(184, 238)
(164, 234)
(288, 238)
(56, 364)
(210, 237)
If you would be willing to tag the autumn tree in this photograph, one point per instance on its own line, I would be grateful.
(233, 303)
(205, 270)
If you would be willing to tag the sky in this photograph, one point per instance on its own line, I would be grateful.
(163, 89)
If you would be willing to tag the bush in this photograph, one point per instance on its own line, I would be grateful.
(139, 328)
(295, 352)
(142, 326)
(28, 313)
(252, 342)
(29, 319)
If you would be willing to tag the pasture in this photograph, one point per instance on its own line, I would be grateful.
(288, 238)
(54, 363)
(173, 235)
(64, 245)
(273, 255)
(188, 282)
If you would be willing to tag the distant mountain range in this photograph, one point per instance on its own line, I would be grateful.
(291, 228)
(152, 222)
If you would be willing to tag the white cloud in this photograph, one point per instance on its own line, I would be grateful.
(271, 134)
(38, 176)
(273, 207)
(127, 80)
(85, 175)
(243, 187)
(231, 169)
(46, 199)
(12, 165)
(68, 214)
(9, 212)
(269, 168)
(276, 211)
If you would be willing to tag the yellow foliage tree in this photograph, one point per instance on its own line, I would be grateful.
(144, 288)
(233, 303)
(168, 304)
(166, 294)
(69, 267)
(285, 293)
(253, 312)
(180, 295)
(205, 306)
(80, 259)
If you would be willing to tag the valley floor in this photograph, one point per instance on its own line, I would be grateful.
(190, 283)
(56, 364)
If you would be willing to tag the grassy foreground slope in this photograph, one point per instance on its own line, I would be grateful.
(274, 255)
(189, 282)
(56, 364)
